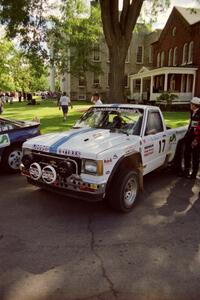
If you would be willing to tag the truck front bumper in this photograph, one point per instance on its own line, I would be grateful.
(70, 193)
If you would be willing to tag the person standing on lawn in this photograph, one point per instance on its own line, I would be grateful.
(96, 99)
(192, 141)
(64, 104)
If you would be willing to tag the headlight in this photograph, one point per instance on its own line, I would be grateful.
(27, 151)
(94, 167)
(27, 158)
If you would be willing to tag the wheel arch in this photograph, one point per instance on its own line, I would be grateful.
(129, 162)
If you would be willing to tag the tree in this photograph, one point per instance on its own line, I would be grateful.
(16, 72)
(118, 28)
(27, 18)
(80, 31)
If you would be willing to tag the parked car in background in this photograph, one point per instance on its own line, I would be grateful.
(13, 134)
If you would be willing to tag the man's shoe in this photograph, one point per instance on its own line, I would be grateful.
(185, 174)
(181, 174)
(188, 176)
(193, 176)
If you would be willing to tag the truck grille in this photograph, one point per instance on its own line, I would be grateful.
(55, 160)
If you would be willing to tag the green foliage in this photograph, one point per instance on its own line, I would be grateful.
(16, 72)
(168, 97)
(80, 31)
(52, 121)
(26, 19)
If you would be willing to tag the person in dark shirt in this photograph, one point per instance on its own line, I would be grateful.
(192, 141)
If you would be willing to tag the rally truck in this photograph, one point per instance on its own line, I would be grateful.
(105, 155)
(13, 134)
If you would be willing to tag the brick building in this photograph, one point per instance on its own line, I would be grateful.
(139, 53)
(176, 60)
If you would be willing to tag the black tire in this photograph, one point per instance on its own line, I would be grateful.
(124, 191)
(12, 158)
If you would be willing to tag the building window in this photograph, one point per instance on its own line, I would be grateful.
(137, 85)
(96, 53)
(175, 56)
(126, 81)
(158, 60)
(185, 54)
(82, 80)
(172, 83)
(174, 31)
(190, 52)
(82, 97)
(162, 58)
(183, 83)
(170, 57)
(139, 55)
(150, 55)
(96, 79)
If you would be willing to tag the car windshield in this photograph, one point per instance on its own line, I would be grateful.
(6, 124)
(126, 120)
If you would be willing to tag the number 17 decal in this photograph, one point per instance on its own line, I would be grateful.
(162, 146)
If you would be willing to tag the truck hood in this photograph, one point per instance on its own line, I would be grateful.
(79, 142)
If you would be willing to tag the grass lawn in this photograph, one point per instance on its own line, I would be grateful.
(51, 117)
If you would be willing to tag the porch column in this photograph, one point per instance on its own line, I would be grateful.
(141, 89)
(151, 87)
(187, 83)
(166, 82)
(194, 84)
(131, 86)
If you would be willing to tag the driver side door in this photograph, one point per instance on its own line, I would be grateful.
(154, 142)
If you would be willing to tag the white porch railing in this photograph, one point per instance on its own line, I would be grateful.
(182, 97)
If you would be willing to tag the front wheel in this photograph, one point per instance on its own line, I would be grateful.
(12, 159)
(124, 191)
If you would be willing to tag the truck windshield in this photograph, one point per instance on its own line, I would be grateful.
(126, 120)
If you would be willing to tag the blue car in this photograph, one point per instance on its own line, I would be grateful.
(13, 134)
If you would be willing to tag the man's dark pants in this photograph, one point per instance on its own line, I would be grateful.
(191, 155)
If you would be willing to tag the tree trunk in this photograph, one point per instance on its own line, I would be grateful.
(118, 29)
(116, 78)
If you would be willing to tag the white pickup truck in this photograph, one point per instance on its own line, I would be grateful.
(105, 155)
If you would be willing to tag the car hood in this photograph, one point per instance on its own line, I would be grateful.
(87, 142)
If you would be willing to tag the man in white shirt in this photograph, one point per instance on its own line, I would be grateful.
(96, 99)
(64, 103)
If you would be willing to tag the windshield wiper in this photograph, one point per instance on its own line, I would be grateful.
(119, 130)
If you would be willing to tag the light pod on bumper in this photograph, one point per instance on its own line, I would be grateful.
(49, 174)
(35, 171)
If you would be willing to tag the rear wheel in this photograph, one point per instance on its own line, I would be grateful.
(12, 159)
(124, 191)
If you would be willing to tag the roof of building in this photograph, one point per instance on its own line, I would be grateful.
(191, 15)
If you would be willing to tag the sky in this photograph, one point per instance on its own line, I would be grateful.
(162, 19)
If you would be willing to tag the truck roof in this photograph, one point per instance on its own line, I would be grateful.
(137, 106)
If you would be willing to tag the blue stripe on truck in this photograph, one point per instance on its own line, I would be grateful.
(53, 148)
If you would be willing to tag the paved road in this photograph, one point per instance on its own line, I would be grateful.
(52, 248)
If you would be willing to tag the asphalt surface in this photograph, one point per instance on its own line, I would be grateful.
(54, 248)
